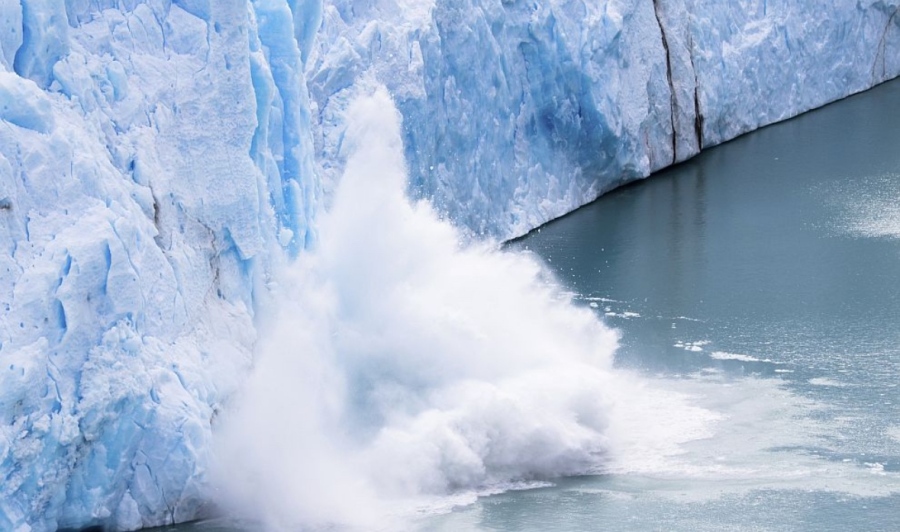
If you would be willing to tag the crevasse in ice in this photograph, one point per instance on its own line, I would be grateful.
(158, 159)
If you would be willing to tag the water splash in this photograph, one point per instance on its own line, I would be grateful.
(401, 366)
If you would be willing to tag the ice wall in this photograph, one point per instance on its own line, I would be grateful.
(517, 112)
(154, 162)
(159, 158)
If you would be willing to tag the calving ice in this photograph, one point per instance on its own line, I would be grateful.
(433, 370)
(171, 171)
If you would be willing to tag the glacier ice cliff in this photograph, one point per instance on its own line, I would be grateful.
(159, 159)
(517, 112)
(154, 160)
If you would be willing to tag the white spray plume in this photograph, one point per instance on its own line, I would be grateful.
(401, 363)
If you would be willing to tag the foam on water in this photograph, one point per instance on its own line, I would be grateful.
(759, 436)
(403, 367)
(624, 315)
(721, 355)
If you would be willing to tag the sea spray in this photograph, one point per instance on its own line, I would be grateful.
(401, 363)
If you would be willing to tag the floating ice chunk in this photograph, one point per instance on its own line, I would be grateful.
(691, 346)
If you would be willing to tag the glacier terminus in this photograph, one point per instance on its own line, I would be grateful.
(161, 160)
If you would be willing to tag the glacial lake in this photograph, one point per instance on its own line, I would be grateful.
(761, 280)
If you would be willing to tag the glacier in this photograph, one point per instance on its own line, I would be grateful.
(160, 160)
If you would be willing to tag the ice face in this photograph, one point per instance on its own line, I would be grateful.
(159, 158)
(154, 165)
(511, 110)
(516, 112)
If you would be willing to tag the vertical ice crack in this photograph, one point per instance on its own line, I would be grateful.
(882, 49)
(169, 510)
(698, 116)
(55, 383)
(135, 271)
(672, 102)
